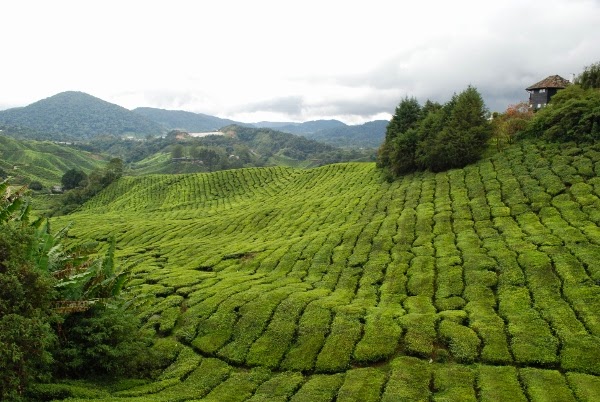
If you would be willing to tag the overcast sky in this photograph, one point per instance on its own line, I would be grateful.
(290, 60)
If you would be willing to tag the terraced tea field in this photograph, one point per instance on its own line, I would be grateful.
(43, 161)
(278, 284)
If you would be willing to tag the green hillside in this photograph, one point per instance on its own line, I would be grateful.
(45, 162)
(182, 120)
(79, 116)
(367, 135)
(278, 284)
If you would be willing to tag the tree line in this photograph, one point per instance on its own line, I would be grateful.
(439, 137)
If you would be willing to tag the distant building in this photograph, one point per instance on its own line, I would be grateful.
(541, 92)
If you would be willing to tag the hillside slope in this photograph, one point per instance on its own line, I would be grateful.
(79, 116)
(367, 135)
(182, 120)
(330, 283)
(45, 162)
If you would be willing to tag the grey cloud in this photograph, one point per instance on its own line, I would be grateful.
(512, 52)
(291, 105)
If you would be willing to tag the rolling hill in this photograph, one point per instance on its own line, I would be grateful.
(307, 127)
(336, 133)
(279, 284)
(367, 135)
(78, 116)
(181, 120)
(46, 162)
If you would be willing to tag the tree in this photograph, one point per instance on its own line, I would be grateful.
(36, 185)
(112, 172)
(514, 120)
(465, 135)
(590, 77)
(25, 302)
(73, 178)
(177, 151)
(398, 148)
(436, 137)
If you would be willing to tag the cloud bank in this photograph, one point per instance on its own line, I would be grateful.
(297, 61)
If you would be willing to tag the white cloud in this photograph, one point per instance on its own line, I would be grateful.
(290, 60)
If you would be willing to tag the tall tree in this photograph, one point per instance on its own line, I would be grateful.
(397, 150)
(73, 178)
(465, 135)
(25, 302)
(590, 77)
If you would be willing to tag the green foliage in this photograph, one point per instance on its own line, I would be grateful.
(464, 135)
(77, 115)
(179, 119)
(499, 383)
(101, 341)
(25, 314)
(82, 188)
(73, 178)
(367, 135)
(436, 137)
(36, 186)
(38, 279)
(572, 115)
(398, 150)
(589, 77)
(546, 385)
(27, 161)
(476, 283)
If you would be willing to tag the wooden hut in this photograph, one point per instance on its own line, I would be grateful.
(541, 92)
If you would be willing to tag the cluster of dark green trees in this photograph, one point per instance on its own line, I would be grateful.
(435, 137)
(62, 311)
(80, 187)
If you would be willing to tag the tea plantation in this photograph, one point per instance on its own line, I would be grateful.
(43, 161)
(280, 284)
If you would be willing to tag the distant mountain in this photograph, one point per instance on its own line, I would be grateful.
(80, 116)
(367, 135)
(308, 127)
(187, 121)
(334, 132)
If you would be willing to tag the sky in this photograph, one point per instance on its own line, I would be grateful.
(290, 60)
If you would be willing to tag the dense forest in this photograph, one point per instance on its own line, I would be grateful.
(182, 120)
(79, 116)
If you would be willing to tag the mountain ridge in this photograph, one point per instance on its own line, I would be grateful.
(75, 115)
(80, 116)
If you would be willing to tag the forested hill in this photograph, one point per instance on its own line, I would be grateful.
(182, 120)
(308, 127)
(336, 133)
(367, 135)
(79, 116)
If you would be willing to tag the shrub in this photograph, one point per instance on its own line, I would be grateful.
(102, 341)
(25, 332)
(462, 341)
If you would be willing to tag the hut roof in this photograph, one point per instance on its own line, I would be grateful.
(553, 81)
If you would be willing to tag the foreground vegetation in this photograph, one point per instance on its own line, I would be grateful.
(474, 284)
